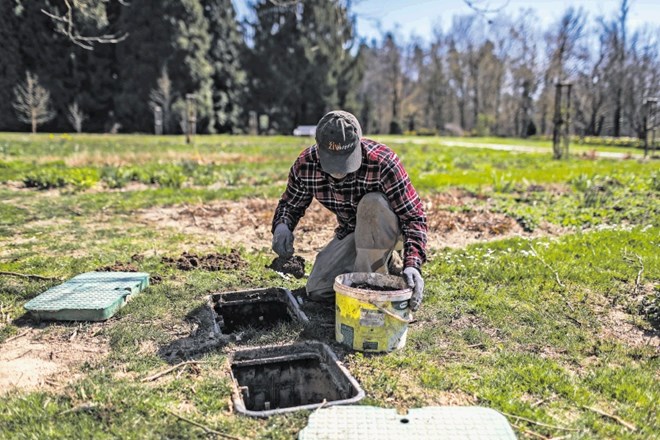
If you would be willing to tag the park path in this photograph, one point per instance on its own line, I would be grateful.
(521, 148)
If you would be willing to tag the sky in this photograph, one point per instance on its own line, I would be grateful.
(419, 17)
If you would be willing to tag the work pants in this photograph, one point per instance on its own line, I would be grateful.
(368, 249)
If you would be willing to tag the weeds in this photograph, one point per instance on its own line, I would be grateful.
(56, 177)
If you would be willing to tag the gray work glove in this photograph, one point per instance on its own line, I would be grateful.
(416, 283)
(283, 241)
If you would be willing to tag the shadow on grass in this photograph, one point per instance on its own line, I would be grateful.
(207, 336)
(204, 338)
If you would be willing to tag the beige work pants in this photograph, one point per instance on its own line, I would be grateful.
(368, 249)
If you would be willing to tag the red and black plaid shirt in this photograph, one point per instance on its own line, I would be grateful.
(381, 171)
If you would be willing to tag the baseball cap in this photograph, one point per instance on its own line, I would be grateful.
(338, 136)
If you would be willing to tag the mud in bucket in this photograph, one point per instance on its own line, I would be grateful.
(372, 311)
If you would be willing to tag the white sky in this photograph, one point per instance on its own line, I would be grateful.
(418, 17)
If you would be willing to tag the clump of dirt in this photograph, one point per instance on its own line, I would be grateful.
(118, 266)
(294, 265)
(367, 286)
(211, 262)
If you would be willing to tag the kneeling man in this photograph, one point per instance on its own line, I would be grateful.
(364, 184)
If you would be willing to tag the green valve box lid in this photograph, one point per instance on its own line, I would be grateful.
(440, 422)
(91, 296)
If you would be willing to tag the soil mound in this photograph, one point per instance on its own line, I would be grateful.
(210, 262)
(118, 267)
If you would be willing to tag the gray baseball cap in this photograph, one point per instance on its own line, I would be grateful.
(338, 136)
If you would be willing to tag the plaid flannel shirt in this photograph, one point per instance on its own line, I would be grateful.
(381, 171)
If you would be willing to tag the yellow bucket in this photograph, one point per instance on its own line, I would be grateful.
(368, 318)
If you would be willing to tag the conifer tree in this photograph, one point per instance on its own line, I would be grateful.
(229, 79)
(171, 34)
(301, 54)
(11, 65)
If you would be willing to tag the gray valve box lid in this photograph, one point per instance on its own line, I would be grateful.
(91, 296)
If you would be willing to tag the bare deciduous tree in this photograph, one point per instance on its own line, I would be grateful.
(564, 46)
(75, 116)
(68, 24)
(162, 97)
(32, 102)
(524, 71)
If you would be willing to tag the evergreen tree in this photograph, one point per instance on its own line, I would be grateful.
(94, 76)
(11, 66)
(229, 79)
(171, 34)
(29, 43)
(300, 64)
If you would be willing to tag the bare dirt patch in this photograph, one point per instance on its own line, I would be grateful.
(41, 359)
(247, 223)
(617, 324)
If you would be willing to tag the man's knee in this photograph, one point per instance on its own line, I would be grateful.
(374, 204)
(377, 226)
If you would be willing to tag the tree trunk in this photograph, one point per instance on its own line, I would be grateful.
(556, 130)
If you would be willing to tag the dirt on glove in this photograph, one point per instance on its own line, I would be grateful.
(294, 265)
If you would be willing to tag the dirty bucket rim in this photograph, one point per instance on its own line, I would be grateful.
(398, 294)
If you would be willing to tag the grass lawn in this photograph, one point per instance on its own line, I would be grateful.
(542, 285)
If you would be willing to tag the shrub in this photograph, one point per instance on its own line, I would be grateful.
(55, 177)
(169, 176)
(117, 177)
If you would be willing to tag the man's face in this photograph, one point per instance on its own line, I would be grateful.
(338, 176)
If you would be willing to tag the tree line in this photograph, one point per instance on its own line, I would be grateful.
(292, 61)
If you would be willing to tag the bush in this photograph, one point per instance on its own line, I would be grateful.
(169, 176)
(52, 177)
(117, 177)
(655, 181)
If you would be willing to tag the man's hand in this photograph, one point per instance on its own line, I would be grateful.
(416, 283)
(283, 241)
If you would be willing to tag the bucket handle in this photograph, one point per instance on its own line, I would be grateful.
(390, 314)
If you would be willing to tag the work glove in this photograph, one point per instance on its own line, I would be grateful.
(283, 241)
(416, 283)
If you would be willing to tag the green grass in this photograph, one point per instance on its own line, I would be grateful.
(541, 328)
